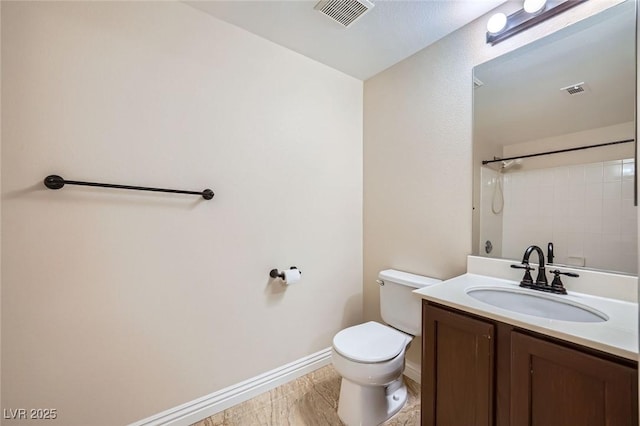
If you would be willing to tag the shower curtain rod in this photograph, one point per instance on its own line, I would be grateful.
(558, 151)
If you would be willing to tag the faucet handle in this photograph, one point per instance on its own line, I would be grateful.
(557, 283)
(527, 274)
(569, 274)
(523, 266)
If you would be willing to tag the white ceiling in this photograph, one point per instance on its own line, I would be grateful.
(390, 32)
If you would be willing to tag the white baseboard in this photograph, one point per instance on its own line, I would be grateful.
(191, 412)
(412, 371)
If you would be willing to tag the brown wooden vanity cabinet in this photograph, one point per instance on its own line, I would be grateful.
(480, 372)
(553, 385)
(458, 365)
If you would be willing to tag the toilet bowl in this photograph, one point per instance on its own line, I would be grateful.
(370, 357)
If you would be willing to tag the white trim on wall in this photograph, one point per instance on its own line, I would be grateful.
(201, 408)
(412, 371)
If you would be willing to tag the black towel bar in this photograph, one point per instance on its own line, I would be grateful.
(57, 182)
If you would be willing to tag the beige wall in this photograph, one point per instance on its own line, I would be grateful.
(418, 154)
(118, 305)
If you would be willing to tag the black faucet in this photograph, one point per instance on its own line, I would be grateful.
(550, 255)
(541, 279)
(541, 282)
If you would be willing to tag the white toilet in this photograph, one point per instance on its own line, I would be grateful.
(370, 356)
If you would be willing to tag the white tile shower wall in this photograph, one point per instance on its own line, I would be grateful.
(585, 210)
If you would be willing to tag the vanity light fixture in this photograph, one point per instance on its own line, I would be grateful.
(496, 23)
(532, 13)
(534, 6)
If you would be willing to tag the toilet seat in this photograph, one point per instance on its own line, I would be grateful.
(370, 342)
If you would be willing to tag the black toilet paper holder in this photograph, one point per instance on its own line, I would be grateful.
(275, 274)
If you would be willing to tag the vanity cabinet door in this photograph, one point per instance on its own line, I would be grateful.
(458, 369)
(552, 385)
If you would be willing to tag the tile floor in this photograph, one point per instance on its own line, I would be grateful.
(310, 400)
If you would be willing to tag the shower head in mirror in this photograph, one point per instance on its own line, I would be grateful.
(509, 164)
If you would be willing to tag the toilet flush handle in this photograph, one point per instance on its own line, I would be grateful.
(380, 282)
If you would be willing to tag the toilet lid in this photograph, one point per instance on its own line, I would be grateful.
(370, 342)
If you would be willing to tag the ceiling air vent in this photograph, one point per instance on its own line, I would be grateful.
(344, 12)
(574, 89)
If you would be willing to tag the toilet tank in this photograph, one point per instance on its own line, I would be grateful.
(399, 307)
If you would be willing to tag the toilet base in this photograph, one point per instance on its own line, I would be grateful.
(370, 405)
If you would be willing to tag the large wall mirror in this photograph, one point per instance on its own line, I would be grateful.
(571, 90)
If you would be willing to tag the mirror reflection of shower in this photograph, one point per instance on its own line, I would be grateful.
(497, 200)
(586, 209)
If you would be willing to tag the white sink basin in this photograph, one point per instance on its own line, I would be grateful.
(540, 305)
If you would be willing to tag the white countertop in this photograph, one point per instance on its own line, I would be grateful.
(618, 335)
